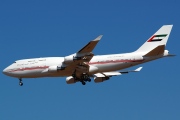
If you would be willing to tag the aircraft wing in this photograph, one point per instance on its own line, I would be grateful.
(115, 73)
(83, 56)
(101, 77)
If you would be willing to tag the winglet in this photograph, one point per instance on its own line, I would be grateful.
(98, 38)
(90, 46)
(138, 69)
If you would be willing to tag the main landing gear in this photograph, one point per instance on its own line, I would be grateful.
(20, 82)
(83, 78)
(83, 81)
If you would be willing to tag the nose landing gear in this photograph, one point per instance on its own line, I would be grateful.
(20, 82)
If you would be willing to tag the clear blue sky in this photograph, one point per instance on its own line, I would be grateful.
(40, 28)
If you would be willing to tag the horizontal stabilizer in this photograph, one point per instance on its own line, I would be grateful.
(170, 55)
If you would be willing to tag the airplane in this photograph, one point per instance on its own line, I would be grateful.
(84, 65)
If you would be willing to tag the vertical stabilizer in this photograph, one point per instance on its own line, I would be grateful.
(158, 39)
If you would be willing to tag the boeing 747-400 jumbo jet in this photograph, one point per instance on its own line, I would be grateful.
(83, 65)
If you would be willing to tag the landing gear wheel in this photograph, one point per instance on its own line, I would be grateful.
(83, 83)
(21, 84)
(89, 80)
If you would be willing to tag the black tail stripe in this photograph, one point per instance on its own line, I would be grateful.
(156, 40)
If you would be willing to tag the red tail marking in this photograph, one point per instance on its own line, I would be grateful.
(151, 38)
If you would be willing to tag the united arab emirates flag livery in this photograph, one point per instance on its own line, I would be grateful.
(155, 38)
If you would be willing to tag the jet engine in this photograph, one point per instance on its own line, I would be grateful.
(52, 69)
(70, 80)
(70, 59)
(100, 79)
(55, 68)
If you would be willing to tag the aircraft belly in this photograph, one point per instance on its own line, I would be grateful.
(29, 74)
(39, 73)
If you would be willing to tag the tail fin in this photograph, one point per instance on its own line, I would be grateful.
(158, 39)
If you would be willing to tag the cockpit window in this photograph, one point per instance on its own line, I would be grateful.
(15, 62)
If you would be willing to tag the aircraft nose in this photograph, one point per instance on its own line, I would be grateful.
(5, 71)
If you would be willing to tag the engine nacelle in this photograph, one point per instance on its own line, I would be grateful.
(70, 80)
(68, 59)
(55, 68)
(100, 79)
(52, 69)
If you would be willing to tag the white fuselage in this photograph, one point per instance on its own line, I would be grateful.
(38, 67)
(82, 65)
